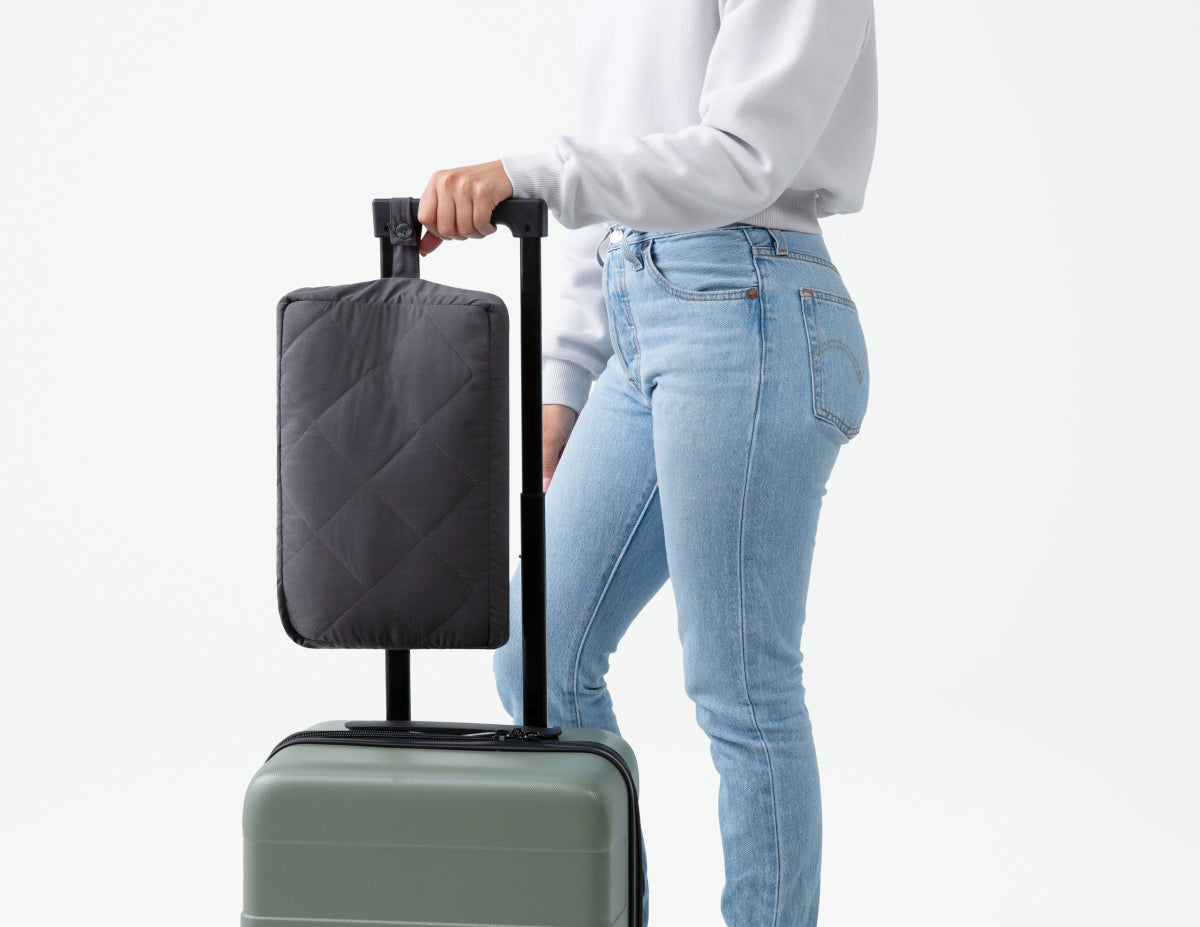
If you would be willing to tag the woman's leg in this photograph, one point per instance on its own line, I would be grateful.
(742, 464)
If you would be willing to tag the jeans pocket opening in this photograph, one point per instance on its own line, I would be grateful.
(705, 259)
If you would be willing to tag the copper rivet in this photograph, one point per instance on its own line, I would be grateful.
(752, 294)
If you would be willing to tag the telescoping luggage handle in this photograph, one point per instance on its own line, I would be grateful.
(399, 234)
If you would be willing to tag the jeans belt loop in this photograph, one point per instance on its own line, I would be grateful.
(781, 247)
(629, 253)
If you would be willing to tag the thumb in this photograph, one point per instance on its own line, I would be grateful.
(429, 241)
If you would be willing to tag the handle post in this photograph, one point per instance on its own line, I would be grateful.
(528, 219)
(533, 499)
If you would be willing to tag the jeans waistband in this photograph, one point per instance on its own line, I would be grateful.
(780, 241)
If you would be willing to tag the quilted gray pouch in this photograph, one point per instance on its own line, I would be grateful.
(393, 466)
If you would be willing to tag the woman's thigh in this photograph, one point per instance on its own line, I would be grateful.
(752, 360)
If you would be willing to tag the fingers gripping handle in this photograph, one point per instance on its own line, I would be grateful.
(399, 232)
(524, 216)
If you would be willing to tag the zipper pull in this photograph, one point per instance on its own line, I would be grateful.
(529, 733)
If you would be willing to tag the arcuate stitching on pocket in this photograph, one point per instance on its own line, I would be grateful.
(817, 349)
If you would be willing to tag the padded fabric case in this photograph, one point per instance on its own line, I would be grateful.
(393, 466)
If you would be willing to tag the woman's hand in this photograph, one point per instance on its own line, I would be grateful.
(557, 422)
(458, 203)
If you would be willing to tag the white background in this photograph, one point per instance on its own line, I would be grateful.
(1002, 631)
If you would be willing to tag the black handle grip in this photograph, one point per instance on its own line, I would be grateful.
(524, 216)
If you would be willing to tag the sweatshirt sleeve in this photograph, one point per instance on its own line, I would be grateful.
(775, 74)
(577, 347)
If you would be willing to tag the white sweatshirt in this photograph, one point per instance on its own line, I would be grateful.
(696, 114)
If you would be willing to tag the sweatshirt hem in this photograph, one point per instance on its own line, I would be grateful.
(565, 383)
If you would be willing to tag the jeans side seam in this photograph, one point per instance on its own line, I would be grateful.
(741, 576)
(600, 601)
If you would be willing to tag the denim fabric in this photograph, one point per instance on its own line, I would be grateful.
(739, 370)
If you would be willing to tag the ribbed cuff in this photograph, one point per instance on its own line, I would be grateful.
(537, 174)
(565, 383)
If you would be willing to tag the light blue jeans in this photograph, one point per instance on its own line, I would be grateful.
(738, 371)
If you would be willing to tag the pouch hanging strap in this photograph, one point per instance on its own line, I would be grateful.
(399, 234)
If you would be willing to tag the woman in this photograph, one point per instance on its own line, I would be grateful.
(729, 368)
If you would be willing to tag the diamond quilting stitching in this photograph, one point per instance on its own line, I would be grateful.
(332, 313)
(471, 377)
(423, 539)
(349, 389)
(296, 336)
(329, 306)
(327, 314)
(428, 317)
(368, 588)
(315, 533)
(367, 483)
(324, 632)
(445, 621)
(449, 363)
(421, 431)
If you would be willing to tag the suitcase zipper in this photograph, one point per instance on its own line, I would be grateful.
(514, 738)
(417, 737)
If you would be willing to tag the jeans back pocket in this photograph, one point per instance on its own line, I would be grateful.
(838, 355)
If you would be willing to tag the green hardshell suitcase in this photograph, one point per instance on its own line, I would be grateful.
(398, 823)
(350, 834)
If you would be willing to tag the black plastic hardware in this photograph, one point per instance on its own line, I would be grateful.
(399, 685)
(525, 217)
(399, 232)
(533, 500)
(528, 218)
